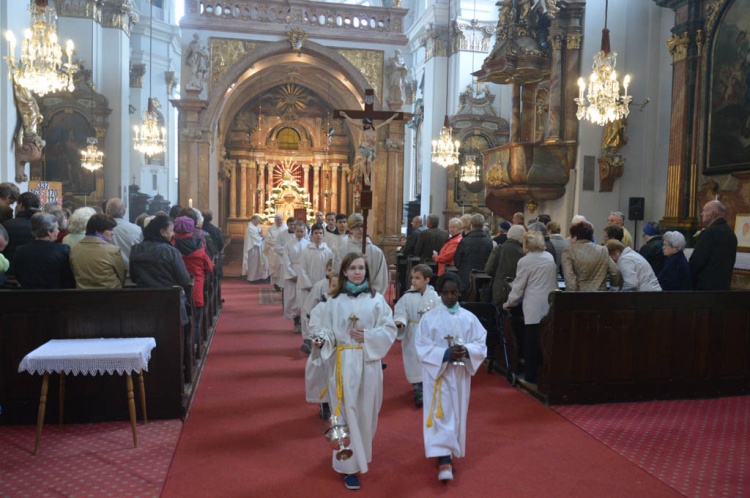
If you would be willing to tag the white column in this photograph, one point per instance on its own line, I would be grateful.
(334, 186)
(233, 191)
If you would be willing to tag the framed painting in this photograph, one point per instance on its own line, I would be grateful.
(728, 147)
(742, 231)
(66, 136)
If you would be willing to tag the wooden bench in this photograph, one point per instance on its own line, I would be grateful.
(624, 346)
(32, 317)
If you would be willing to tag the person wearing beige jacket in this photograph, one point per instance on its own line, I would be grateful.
(585, 265)
(96, 262)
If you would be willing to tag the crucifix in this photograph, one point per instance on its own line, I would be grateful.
(366, 149)
(354, 318)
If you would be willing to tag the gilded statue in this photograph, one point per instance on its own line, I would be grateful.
(614, 136)
(28, 112)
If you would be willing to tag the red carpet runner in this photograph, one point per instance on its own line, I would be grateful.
(250, 432)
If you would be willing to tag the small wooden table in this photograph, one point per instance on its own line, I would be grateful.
(90, 357)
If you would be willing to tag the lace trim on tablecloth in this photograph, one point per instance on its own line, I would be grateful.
(90, 366)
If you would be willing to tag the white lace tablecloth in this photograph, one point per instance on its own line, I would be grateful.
(90, 356)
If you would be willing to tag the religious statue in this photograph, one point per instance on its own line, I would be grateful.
(614, 136)
(396, 73)
(28, 143)
(368, 140)
(198, 59)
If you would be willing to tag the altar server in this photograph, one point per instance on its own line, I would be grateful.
(269, 249)
(357, 330)
(292, 252)
(375, 257)
(451, 343)
(417, 301)
(253, 260)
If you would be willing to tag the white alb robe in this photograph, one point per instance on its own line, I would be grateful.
(289, 270)
(312, 270)
(332, 240)
(317, 294)
(447, 435)
(272, 257)
(362, 374)
(253, 260)
(316, 372)
(379, 276)
(408, 310)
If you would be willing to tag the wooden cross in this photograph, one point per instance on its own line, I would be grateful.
(369, 112)
(354, 318)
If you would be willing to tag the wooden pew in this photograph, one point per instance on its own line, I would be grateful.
(31, 318)
(609, 346)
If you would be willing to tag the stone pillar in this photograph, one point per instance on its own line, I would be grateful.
(233, 191)
(572, 72)
(306, 178)
(388, 193)
(515, 120)
(243, 187)
(334, 187)
(252, 174)
(315, 197)
(344, 207)
(269, 179)
(195, 152)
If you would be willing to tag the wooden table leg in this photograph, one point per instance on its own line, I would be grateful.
(62, 398)
(40, 414)
(142, 388)
(131, 408)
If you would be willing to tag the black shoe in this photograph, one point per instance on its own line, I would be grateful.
(325, 411)
(418, 400)
(306, 346)
(383, 365)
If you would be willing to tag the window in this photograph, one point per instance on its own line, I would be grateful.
(288, 139)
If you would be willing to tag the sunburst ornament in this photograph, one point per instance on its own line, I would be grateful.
(291, 97)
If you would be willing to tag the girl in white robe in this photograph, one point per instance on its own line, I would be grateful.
(253, 260)
(447, 335)
(358, 330)
(316, 380)
(417, 301)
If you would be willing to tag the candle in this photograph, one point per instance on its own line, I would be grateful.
(69, 50)
(581, 88)
(190, 202)
(626, 84)
(11, 42)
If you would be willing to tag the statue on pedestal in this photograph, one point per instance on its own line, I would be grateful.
(198, 59)
(396, 73)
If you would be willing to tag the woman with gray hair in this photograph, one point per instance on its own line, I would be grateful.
(42, 263)
(536, 277)
(445, 256)
(77, 225)
(675, 275)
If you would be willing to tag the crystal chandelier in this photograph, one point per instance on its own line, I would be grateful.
(470, 170)
(149, 137)
(445, 149)
(603, 102)
(91, 156)
(40, 68)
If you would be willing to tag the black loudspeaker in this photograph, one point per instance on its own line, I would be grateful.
(636, 208)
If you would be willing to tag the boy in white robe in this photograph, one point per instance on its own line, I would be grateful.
(417, 301)
(312, 297)
(451, 342)
(253, 260)
(292, 253)
(357, 330)
(313, 264)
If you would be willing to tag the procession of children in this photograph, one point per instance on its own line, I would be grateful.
(350, 328)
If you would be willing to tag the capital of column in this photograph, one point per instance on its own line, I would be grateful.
(244, 163)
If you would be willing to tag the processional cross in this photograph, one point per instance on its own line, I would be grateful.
(366, 149)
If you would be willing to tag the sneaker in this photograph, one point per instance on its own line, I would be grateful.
(306, 346)
(445, 472)
(418, 399)
(351, 481)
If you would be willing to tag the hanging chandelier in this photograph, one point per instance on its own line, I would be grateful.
(149, 137)
(40, 68)
(470, 170)
(603, 102)
(91, 156)
(445, 149)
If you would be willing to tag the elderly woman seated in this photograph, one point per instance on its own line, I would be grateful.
(44, 264)
(675, 275)
(97, 263)
(637, 274)
(586, 265)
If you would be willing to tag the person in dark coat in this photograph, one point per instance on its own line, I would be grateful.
(411, 241)
(43, 263)
(712, 261)
(430, 240)
(155, 263)
(502, 233)
(652, 250)
(472, 252)
(675, 273)
(502, 264)
(217, 238)
(19, 228)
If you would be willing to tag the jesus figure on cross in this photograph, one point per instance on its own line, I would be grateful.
(368, 141)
